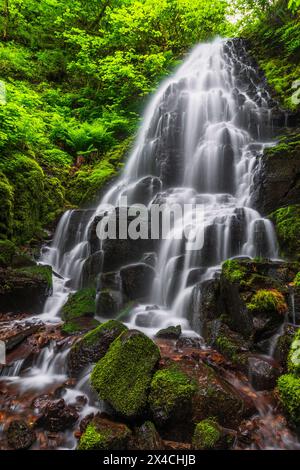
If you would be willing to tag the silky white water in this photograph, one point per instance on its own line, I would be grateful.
(199, 142)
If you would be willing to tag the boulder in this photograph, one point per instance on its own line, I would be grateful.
(122, 377)
(283, 344)
(209, 435)
(56, 416)
(108, 303)
(289, 393)
(103, 434)
(19, 435)
(262, 373)
(93, 346)
(172, 332)
(137, 280)
(91, 269)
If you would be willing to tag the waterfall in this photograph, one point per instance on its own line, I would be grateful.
(199, 143)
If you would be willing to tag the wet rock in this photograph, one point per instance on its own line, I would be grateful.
(146, 437)
(19, 435)
(122, 377)
(263, 375)
(185, 393)
(103, 434)
(108, 303)
(172, 332)
(56, 415)
(187, 342)
(93, 346)
(137, 280)
(14, 334)
(91, 269)
(150, 259)
(205, 299)
(25, 289)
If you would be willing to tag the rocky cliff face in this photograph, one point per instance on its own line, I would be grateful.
(277, 178)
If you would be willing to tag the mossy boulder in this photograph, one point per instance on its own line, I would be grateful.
(294, 355)
(289, 394)
(93, 346)
(171, 332)
(122, 377)
(287, 225)
(170, 397)
(103, 434)
(283, 344)
(207, 435)
(25, 289)
(79, 310)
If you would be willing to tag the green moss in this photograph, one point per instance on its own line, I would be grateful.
(294, 355)
(7, 204)
(207, 434)
(289, 393)
(96, 334)
(38, 272)
(123, 375)
(296, 280)
(171, 389)
(287, 224)
(80, 304)
(267, 301)
(233, 271)
(103, 435)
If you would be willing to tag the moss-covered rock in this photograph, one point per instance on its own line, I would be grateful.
(294, 355)
(171, 332)
(289, 394)
(207, 435)
(93, 346)
(122, 377)
(79, 310)
(268, 301)
(287, 224)
(102, 434)
(170, 397)
(233, 270)
(283, 344)
(25, 289)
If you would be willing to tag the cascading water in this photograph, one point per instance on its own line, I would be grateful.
(199, 142)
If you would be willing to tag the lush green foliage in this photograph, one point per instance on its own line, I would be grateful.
(233, 270)
(287, 224)
(76, 74)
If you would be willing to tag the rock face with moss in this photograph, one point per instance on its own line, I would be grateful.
(207, 435)
(25, 289)
(287, 225)
(78, 312)
(277, 183)
(93, 346)
(103, 434)
(122, 377)
(170, 397)
(289, 394)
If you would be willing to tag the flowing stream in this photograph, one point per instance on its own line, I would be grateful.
(199, 143)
